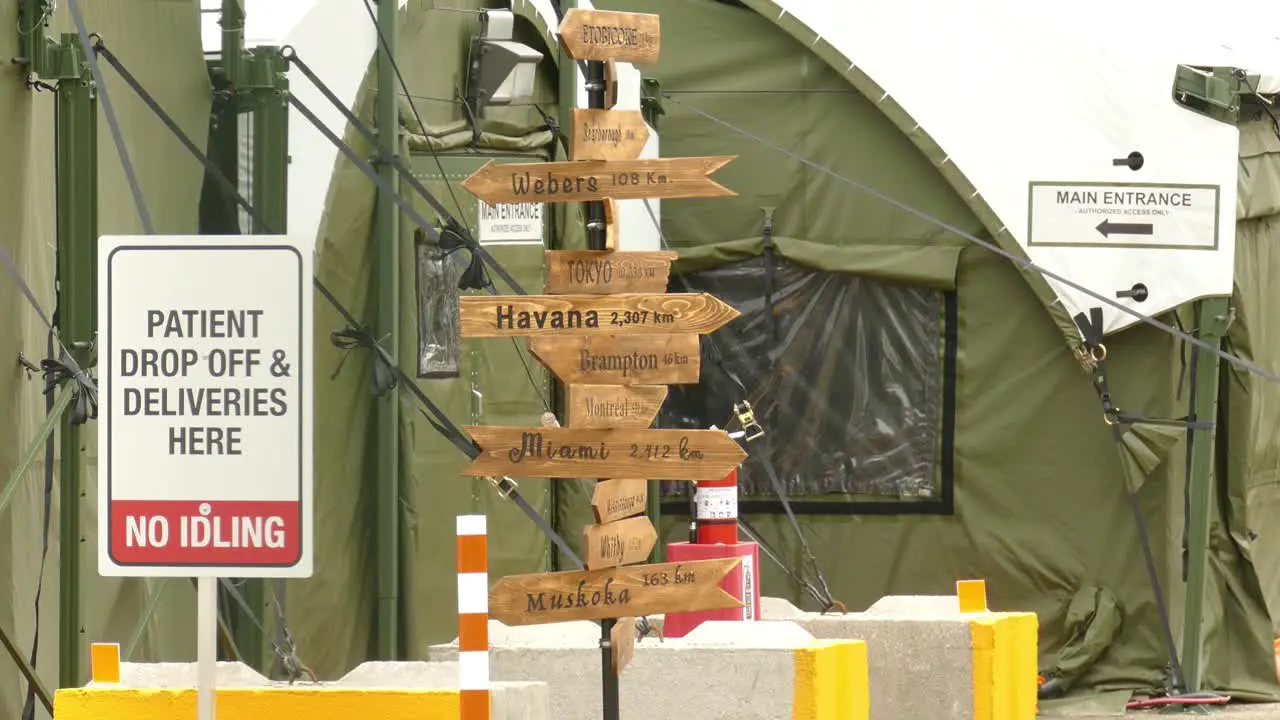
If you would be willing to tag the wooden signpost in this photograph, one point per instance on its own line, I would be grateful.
(563, 315)
(599, 272)
(609, 330)
(583, 181)
(621, 360)
(596, 35)
(608, 135)
(614, 406)
(619, 592)
(617, 452)
(617, 499)
(624, 542)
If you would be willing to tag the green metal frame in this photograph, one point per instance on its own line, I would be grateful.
(77, 209)
(63, 61)
(386, 240)
(1214, 92)
(257, 82)
(1213, 319)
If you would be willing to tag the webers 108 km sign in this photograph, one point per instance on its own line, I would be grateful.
(205, 422)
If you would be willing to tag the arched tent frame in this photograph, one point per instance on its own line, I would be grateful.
(1142, 450)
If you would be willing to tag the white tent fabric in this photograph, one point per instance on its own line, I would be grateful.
(320, 32)
(1017, 92)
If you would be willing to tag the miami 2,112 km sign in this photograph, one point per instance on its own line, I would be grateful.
(205, 428)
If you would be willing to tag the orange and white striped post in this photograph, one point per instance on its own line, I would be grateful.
(473, 616)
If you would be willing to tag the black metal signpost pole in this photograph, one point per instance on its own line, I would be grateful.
(596, 233)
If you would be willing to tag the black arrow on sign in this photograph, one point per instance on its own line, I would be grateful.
(1108, 228)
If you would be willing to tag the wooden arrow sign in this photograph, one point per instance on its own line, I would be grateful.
(630, 591)
(567, 315)
(624, 542)
(617, 499)
(607, 135)
(614, 406)
(600, 272)
(621, 359)
(573, 453)
(622, 641)
(584, 181)
(610, 224)
(599, 35)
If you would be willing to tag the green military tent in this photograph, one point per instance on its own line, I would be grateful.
(928, 412)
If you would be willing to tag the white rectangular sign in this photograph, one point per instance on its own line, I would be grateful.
(1178, 217)
(510, 224)
(205, 406)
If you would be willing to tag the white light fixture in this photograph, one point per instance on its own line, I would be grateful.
(501, 71)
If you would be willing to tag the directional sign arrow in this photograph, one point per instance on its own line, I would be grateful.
(607, 135)
(630, 591)
(622, 638)
(567, 315)
(1108, 228)
(618, 543)
(621, 359)
(574, 453)
(607, 35)
(616, 499)
(614, 406)
(583, 181)
(601, 272)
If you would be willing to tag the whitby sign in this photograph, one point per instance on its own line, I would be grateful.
(206, 431)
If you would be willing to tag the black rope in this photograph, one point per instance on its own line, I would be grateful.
(1022, 263)
(289, 54)
(395, 67)
(131, 178)
(355, 334)
(473, 277)
(1090, 327)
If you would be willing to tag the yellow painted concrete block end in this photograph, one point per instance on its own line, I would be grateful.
(320, 703)
(832, 681)
(972, 595)
(104, 662)
(1004, 666)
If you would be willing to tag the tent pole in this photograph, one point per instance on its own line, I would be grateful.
(1212, 320)
(248, 638)
(77, 237)
(261, 89)
(387, 324)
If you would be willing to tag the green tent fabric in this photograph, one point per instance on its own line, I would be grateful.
(1093, 619)
(1145, 446)
(160, 44)
(1039, 485)
(1029, 438)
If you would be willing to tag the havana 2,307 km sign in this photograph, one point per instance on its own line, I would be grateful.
(205, 429)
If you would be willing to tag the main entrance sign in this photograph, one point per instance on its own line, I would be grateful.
(1168, 217)
(205, 429)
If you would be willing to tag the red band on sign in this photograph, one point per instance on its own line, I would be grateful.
(216, 532)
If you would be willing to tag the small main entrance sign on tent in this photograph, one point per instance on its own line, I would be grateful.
(205, 434)
(1183, 217)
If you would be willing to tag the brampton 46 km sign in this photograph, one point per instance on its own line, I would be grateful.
(205, 434)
